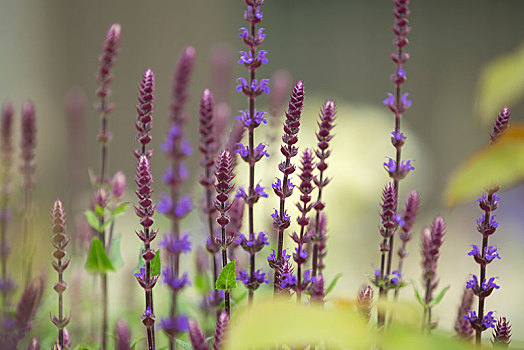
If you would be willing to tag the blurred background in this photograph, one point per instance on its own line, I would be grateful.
(340, 49)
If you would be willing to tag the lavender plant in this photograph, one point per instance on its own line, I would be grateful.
(6, 131)
(27, 155)
(462, 326)
(175, 205)
(60, 241)
(223, 186)
(284, 188)
(324, 136)
(251, 118)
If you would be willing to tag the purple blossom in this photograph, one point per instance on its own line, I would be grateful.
(395, 277)
(484, 198)
(258, 276)
(490, 253)
(399, 220)
(488, 320)
(492, 222)
(247, 58)
(278, 183)
(173, 282)
(404, 169)
(259, 190)
(171, 177)
(255, 88)
(245, 117)
(173, 326)
(276, 215)
(183, 206)
(241, 193)
(257, 15)
(288, 280)
(176, 245)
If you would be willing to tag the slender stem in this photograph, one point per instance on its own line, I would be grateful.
(60, 309)
(3, 247)
(381, 314)
(281, 230)
(224, 263)
(174, 262)
(315, 264)
(426, 320)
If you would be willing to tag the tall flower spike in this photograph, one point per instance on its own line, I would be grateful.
(221, 330)
(252, 119)
(145, 210)
(502, 333)
(144, 118)
(463, 326)
(197, 338)
(481, 286)
(324, 135)
(107, 61)
(181, 80)
(27, 145)
(432, 239)
(284, 189)
(501, 124)
(6, 153)
(175, 205)
(223, 186)
(398, 103)
(365, 301)
(304, 206)
(60, 241)
(122, 336)
(409, 215)
(389, 223)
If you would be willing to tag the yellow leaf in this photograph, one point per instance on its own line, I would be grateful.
(502, 164)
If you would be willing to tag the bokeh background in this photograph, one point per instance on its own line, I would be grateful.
(340, 49)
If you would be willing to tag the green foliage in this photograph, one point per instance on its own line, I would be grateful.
(333, 283)
(97, 260)
(501, 83)
(92, 220)
(156, 264)
(183, 344)
(227, 278)
(93, 217)
(114, 252)
(502, 164)
(439, 297)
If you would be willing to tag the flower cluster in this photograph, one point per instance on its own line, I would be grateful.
(28, 143)
(181, 80)
(409, 214)
(501, 124)
(251, 119)
(105, 73)
(463, 326)
(144, 120)
(60, 241)
(145, 210)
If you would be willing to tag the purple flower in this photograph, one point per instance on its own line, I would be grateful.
(243, 276)
(491, 253)
(247, 58)
(258, 15)
(164, 204)
(245, 117)
(176, 245)
(488, 320)
(183, 206)
(255, 88)
(404, 169)
(395, 277)
(241, 193)
(259, 190)
(276, 215)
(173, 282)
(258, 276)
(471, 316)
(288, 280)
(173, 326)
(390, 100)
(278, 183)
(140, 273)
(399, 220)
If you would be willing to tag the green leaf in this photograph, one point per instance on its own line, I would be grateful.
(97, 260)
(419, 298)
(439, 297)
(107, 223)
(156, 264)
(184, 345)
(227, 278)
(93, 220)
(114, 252)
(333, 283)
(120, 209)
(202, 283)
(501, 83)
(99, 211)
(502, 164)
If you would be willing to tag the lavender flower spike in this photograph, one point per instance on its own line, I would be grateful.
(463, 326)
(324, 135)
(6, 149)
(432, 240)
(122, 336)
(501, 124)
(481, 286)
(365, 301)
(144, 210)
(251, 118)
(181, 80)
(283, 189)
(223, 186)
(197, 338)
(144, 119)
(502, 333)
(221, 330)
(27, 145)
(60, 241)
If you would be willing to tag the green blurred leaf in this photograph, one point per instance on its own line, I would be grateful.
(92, 220)
(120, 209)
(97, 260)
(419, 298)
(99, 211)
(333, 283)
(502, 164)
(156, 264)
(227, 278)
(114, 252)
(202, 283)
(267, 323)
(501, 83)
(107, 223)
(184, 345)
(439, 297)
(82, 347)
